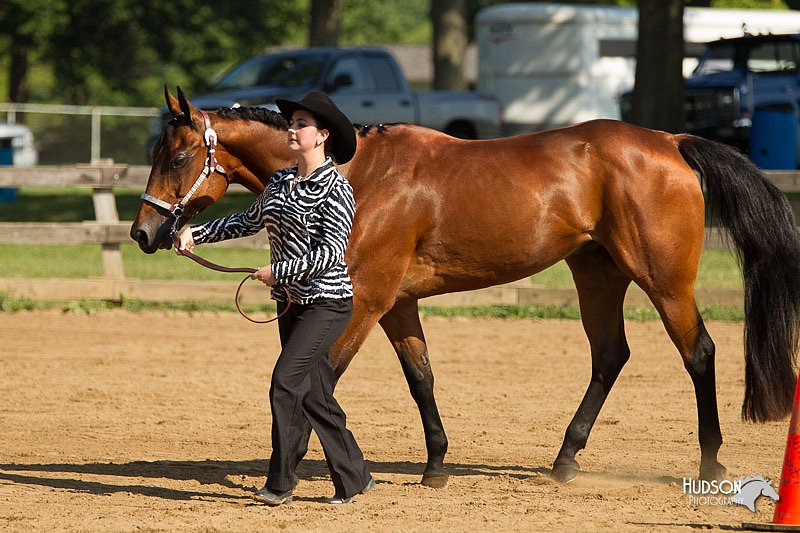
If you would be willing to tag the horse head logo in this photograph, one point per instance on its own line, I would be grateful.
(752, 488)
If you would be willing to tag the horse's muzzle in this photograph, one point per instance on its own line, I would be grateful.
(151, 238)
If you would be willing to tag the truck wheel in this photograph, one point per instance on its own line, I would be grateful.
(461, 129)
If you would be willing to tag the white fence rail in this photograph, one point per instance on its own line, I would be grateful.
(96, 112)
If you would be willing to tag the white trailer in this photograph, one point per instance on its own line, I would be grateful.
(552, 65)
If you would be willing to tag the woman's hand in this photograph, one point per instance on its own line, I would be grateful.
(184, 240)
(265, 276)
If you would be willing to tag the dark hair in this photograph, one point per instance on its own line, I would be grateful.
(329, 141)
(329, 147)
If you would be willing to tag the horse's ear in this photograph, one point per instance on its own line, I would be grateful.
(186, 107)
(172, 103)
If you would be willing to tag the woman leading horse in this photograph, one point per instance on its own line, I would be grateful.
(619, 203)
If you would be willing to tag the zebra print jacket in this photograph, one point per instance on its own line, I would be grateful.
(308, 223)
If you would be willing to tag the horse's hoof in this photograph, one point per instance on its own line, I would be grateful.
(713, 471)
(565, 473)
(435, 481)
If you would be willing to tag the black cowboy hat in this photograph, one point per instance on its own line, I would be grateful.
(330, 118)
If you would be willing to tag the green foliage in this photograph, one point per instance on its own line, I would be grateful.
(10, 304)
(121, 52)
(86, 307)
(503, 311)
(394, 21)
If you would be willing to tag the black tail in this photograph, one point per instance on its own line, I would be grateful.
(761, 224)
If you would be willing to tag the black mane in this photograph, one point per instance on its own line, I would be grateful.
(363, 131)
(258, 114)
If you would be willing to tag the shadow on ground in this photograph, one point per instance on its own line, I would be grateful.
(223, 473)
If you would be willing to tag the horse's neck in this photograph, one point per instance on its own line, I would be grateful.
(261, 149)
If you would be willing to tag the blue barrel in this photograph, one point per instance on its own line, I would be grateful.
(7, 194)
(773, 138)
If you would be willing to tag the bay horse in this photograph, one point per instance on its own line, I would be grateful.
(436, 214)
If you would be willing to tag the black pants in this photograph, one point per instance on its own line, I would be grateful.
(302, 389)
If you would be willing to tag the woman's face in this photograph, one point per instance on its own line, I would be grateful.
(304, 134)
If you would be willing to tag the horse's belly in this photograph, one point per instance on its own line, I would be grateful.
(476, 267)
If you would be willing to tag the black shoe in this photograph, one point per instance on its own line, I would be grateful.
(271, 498)
(336, 500)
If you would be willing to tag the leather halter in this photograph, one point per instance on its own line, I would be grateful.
(211, 165)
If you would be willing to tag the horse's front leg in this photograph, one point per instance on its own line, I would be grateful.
(404, 330)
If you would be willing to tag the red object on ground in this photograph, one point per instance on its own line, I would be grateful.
(787, 510)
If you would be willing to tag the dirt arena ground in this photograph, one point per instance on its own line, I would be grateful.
(159, 421)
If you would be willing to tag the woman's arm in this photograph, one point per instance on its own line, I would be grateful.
(241, 224)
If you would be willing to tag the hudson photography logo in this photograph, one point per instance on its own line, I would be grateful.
(744, 491)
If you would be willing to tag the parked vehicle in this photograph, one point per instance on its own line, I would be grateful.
(366, 83)
(17, 146)
(735, 78)
(551, 65)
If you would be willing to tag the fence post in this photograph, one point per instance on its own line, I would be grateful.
(105, 210)
(96, 115)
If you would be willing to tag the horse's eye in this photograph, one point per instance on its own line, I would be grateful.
(179, 160)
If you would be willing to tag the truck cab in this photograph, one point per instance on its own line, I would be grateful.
(734, 78)
(366, 83)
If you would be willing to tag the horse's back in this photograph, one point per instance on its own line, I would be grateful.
(476, 210)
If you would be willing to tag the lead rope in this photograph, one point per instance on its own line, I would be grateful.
(219, 268)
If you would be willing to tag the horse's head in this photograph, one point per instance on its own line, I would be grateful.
(179, 159)
(769, 491)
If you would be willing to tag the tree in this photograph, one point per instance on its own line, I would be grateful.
(27, 26)
(121, 52)
(449, 44)
(658, 89)
(326, 23)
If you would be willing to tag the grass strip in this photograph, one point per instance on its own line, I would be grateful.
(718, 268)
(10, 304)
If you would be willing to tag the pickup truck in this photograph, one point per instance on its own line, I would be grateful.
(734, 78)
(366, 83)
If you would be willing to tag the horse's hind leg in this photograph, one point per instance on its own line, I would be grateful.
(601, 292)
(662, 257)
(404, 330)
(686, 329)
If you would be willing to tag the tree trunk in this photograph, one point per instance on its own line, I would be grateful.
(658, 90)
(449, 44)
(326, 22)
(18, 71)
